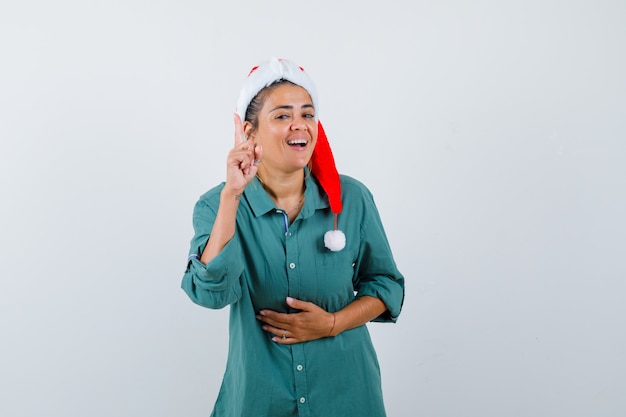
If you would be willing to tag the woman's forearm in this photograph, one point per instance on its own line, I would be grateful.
(357, 313)
(224, 226)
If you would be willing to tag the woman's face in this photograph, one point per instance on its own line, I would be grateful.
(287, 129)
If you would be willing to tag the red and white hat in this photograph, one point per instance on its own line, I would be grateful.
(322, 161)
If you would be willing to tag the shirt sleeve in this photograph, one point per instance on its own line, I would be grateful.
(376, 272)
(216, 284)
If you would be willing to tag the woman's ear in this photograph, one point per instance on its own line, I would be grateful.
(248, 129)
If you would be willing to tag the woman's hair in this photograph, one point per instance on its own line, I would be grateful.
(255, 106)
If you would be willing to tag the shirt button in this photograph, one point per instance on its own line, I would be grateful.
(299, 367)
(292, 266)
(302, 400)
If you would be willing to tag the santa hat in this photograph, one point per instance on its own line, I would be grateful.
(322, 161)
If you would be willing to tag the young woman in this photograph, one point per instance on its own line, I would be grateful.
(299, 254)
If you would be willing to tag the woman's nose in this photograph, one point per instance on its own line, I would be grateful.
(299, 123)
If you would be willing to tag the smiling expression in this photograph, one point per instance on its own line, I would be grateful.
(287, 129)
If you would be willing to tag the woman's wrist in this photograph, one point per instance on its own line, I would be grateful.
(332, 329)
(229, 195)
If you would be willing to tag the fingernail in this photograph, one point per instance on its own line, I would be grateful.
(289, 299)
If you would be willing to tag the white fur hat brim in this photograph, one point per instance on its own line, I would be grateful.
(266, 74)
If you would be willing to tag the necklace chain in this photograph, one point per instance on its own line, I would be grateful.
(298, 204)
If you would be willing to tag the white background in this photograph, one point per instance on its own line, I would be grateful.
(492, 134)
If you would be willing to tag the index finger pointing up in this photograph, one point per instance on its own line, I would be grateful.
(239, 136)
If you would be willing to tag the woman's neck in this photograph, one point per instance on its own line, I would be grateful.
(282, 186)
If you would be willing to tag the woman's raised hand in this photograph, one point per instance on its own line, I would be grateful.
(242, 161)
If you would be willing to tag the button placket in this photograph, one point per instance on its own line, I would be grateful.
(301, 393)
(300, 378)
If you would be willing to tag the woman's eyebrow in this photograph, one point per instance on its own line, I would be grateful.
(290, 107)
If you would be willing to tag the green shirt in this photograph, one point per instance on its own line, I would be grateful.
(268, 260)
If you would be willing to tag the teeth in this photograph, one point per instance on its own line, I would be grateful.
(297, 142)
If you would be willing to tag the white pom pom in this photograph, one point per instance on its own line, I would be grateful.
(335, 240)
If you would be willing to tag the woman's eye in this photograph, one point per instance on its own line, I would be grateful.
(309, 116)
(282, 116)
